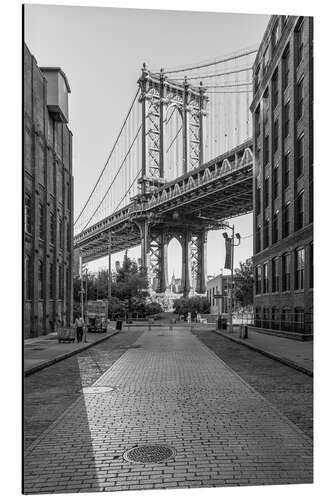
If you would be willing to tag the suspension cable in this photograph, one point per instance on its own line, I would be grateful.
(121, 165)
(211, 75)
(108, 159)
(128, 190)
(229, 85)
(214, 63)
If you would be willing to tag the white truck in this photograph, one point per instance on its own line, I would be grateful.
(97, 316)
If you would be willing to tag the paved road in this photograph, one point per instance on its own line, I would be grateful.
(171, 390)
(289, 390)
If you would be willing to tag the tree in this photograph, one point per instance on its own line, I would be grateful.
(131, 284)
(243, 287)
(192, 305)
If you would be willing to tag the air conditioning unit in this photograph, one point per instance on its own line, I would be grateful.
(57, 93)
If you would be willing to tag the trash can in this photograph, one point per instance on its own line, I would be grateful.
(119, 324)
(224, 323)
(243, 332)
(219, 323)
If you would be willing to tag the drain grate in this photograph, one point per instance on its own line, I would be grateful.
(149, 454)
(130, 346)
(97, 390)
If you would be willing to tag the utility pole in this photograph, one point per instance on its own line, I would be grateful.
(109, 275)
(81, 286)
(232, 251)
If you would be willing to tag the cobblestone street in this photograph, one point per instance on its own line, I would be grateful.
(169, 389)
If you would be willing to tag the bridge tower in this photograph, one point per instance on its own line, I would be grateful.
(158, 94)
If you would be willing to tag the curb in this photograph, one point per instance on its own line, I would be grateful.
(66, 355)
(269, 354)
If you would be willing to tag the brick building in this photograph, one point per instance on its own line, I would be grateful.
(220, 285)
(282, 111)
(48, 199)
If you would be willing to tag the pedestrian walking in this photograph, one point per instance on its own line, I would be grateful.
(79, 324)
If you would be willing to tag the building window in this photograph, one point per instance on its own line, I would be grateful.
(265, 106)
(275, 182)
(69, 238)
(275, 135)
(286, 119)
(286, 170)
(300, 99)
(69, 197)
(299, 319)
(299, 42)
(299, 269)
(258, 280)
(265, 278)
(61, 232)
(300, 156)
(266, 149)
(257, 317)
(60, 282)
(41, 221)
(311, 265)
(266, 192)
(285, 68)
(285, 318)
(265, 317)
(258, 238)
(286, 271)
(275, 324)
(276, 34)
(266, 233)
(40, 279)
(257, 78)
(51, 281)
(257, 121)
(275, 88)
(27, 276)
(27, 213)
(266, 58)
(258, 200)
(286, 220)
(52, 228)
(275, 274)
(275, 227)
(300, 210)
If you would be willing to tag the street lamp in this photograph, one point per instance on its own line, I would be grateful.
(232, 245)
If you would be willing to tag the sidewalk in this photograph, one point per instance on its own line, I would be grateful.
(294, 353)
(168, 414)
(40, 352)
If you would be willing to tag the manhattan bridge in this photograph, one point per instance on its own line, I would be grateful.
(181, 165)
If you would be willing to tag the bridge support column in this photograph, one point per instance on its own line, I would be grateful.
(202, 263)
(186, 259)
(158, 253)
(144, 236)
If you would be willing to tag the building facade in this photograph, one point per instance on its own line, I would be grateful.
(282, 111)
(219, 286)
(48, 200)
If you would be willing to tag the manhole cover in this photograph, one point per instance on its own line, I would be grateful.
(149, 454)
(97, 390)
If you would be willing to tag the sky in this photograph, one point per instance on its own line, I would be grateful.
(101, 50)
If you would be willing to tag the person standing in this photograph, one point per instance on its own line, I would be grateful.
(79, 324)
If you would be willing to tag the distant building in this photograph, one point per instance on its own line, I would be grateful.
(175, 284)
(282, 110)
(48, 200)
(219, 285)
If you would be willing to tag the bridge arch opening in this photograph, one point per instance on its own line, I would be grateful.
(173, 140)
(174, 265)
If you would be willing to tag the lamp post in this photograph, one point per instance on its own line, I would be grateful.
(232, 245)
